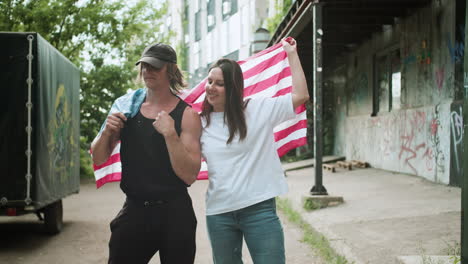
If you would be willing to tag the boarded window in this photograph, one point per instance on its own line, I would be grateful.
(387, 88)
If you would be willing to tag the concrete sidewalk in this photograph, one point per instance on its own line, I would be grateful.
(384, 216)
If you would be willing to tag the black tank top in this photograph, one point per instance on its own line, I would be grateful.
(147, 173)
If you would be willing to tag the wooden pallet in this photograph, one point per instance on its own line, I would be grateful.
(329, 167)
(345, 165)
(359, 164)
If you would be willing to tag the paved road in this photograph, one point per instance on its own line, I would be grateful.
(85, 236)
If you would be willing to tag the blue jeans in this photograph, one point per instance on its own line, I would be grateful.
(260, 227)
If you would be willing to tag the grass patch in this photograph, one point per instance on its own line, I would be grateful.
(292, 157)
(310, 205)
(314, 239)
(452, 250)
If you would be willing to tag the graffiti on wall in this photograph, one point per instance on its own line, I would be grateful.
(413, 138)
(457, 49)
(456, 124)
(440, 78)
(435, 140)
(420, 57)
(411, 148)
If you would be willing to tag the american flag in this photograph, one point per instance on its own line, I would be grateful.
(266, 74)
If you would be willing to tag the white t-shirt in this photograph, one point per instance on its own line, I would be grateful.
(247, 172)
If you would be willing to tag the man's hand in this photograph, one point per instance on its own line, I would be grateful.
(103, 145)
(114, 123)
(164, 124)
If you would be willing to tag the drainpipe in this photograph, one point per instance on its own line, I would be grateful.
(318, 188)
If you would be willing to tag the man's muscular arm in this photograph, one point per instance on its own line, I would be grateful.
(184, 150)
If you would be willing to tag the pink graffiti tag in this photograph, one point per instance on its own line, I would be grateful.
(434, 127)
(406, 147)
(416, 122)
(440, 76)
(428, 155)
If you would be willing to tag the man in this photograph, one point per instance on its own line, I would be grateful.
(160, 156)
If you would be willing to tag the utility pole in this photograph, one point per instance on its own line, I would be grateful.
(318, 188)
(464, 180)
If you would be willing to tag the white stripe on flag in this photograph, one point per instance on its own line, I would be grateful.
(110, 169)
(248, 64)
(291, 122)
(204, 166)
(272, 90)
(261, 76)
(301, 133)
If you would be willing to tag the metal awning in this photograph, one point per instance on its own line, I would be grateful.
(345, 23)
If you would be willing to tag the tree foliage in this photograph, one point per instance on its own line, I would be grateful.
(104, 38)
(281, 7)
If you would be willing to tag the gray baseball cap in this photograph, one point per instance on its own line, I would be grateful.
(157, 55)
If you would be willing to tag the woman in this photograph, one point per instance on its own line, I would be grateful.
(244, 169)
(160, 156)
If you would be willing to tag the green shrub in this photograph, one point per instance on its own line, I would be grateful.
(86, 165)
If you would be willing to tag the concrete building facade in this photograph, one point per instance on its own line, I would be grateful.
(393, 82)
(221, 28)
(397, 107)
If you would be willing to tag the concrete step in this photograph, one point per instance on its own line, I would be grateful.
(427, 260)
(309, 163)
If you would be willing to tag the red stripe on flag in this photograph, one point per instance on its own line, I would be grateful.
(300, 109)
(197, 107)
(283, 91)
(203, 175)
(285, 132)
(292, 145)
(268, 63)
(112, 159)
(196, 92)
(109, 178)
(267, 83)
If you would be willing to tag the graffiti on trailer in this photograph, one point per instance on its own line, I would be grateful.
(456, 120)
(61, 143)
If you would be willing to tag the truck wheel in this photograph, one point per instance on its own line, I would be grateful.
(53, 217)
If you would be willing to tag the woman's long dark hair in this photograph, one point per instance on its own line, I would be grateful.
(235, 105)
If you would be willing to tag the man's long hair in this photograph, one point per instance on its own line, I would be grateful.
(234, 91)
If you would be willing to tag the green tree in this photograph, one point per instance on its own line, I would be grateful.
(103, 38)
(281, 7)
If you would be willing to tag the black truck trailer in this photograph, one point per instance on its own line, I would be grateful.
(39, 127)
